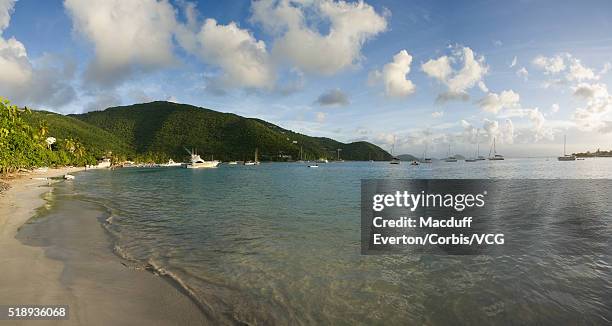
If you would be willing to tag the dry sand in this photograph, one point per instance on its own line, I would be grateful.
(78, 269)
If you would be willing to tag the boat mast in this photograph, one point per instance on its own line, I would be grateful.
(564, 140)
(477, 143)
(494, 149)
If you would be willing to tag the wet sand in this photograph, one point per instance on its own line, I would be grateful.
(66, 257)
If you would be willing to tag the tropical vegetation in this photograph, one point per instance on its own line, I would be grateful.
(24, 145)
(155, 132)
(160, 130)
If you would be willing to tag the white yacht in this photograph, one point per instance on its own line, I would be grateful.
(198, 163)
(171, 163)
(566, 157)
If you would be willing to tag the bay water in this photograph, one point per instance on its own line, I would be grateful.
(279, 243)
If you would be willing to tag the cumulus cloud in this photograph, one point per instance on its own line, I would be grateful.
(595, 115)
(44, 81)
(578, 72)
(539, 126)
(128, 36)
(551, 65)
(572, 68)
(493, 102)
(503, 133)
(591, 91)
(297, 42)
(6, 8)
(244, 60)
(394, 76)
(333, 97)
(458, 82)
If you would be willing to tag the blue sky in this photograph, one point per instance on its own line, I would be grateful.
(425, 73)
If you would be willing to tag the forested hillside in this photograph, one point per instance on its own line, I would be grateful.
(161, 130)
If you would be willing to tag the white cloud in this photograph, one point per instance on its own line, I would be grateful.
(394, 76)
(457, 81)
(554, 108)
(483, 87)
(14, 63)
(44, 81)
(595, 116)
(538, 125)
(334, 97)
(514, 62)
(243, 60)
(6, 8)
(127, 36)
(573, 68)
(591, 91)
(551, 65)
(501, 133)
(470, 133)
(437, 114)
(523, 73)
(578, 72)
(350, 26)
(493, 102)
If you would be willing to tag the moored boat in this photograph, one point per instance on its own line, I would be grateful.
(197, 162)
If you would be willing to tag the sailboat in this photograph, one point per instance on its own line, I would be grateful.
(197, 162)
(256, 162)
(566, 157)
(477, 157)
(450, 158)
(394, 160)
(426, 159)
(495, 157)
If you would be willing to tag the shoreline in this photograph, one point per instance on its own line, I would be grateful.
(68, 259)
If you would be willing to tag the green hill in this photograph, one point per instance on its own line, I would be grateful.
(161, 130)
(98, 141)
(408, 157)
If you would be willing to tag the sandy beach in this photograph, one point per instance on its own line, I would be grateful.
(78, 268)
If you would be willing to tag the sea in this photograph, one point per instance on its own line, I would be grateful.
(279, 244)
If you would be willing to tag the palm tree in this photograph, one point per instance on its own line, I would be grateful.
(79, 150)
(69, 145)
(43, 129)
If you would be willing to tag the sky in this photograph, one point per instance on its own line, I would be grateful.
(423, 75)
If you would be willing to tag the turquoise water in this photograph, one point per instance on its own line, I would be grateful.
(279, 244)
